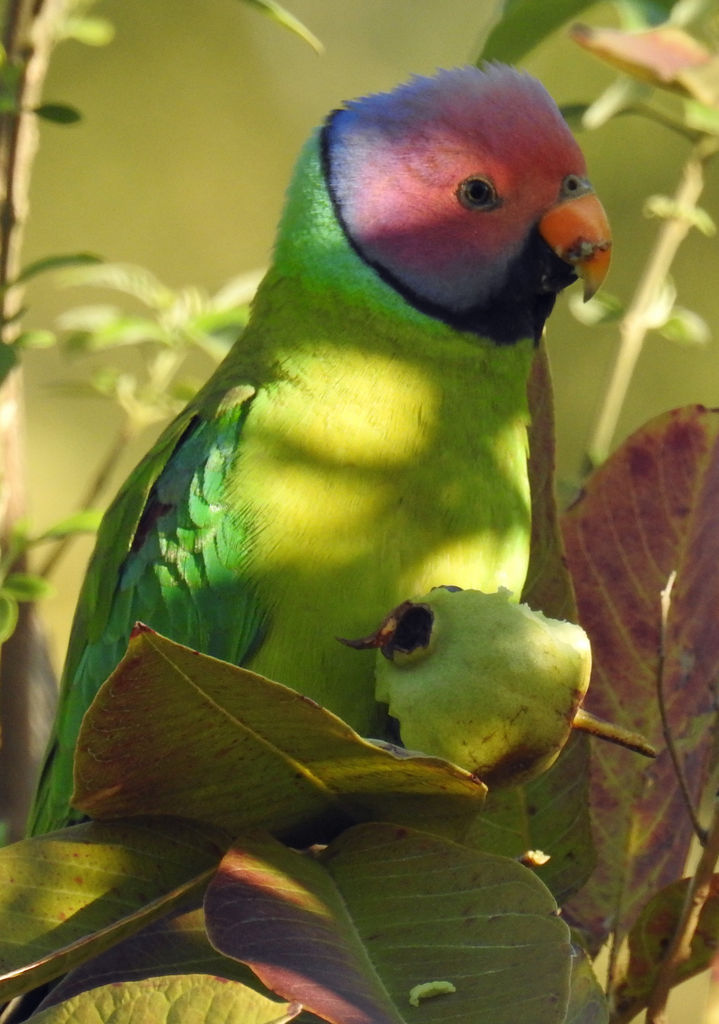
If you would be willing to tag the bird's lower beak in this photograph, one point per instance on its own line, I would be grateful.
(577, 230)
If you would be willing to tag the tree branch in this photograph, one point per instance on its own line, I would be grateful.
(29, 33)
(638, 319)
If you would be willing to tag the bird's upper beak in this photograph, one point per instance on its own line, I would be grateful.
(577, 230)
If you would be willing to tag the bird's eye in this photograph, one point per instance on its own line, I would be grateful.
(574, 185)
(477, 193)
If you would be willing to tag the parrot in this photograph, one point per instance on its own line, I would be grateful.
(366, 435)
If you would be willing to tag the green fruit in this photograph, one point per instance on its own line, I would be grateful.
(482, 681)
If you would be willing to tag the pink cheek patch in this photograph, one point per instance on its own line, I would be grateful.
(427, 233)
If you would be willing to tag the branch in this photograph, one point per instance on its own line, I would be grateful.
(29, 33)
(638, 319)
(665, 596)
(679, 949)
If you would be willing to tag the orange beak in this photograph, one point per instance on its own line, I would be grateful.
(577, 230)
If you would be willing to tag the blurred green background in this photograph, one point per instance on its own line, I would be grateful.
(192, 118)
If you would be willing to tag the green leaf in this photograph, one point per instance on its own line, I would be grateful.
(8, 360)
(166, 1000)
(36, 339)
(101, 327)
(176, 942)
(392, 925)
(283, 17)
(91, 31)
(666, 208)
(701, 117)
(8, 615)
(58, 113)
(68, 895)
(549, 814)
(221, 744)
(603, 308)
(525, 23)
(587, 1002)
(222, 322)
(56, 262)
(573, 114)
(25, 586)
(86, 521)
(685, 327)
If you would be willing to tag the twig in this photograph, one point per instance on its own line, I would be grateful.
(29, 32)
(679, 949)
(637, 320)
(665, 604)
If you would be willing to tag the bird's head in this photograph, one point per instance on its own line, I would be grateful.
(467, 192)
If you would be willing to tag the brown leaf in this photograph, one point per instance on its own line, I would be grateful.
(647, 943)
(650, 510)
(666, 57)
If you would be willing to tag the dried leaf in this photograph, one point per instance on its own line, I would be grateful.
(650, 510)
(647, 942)
(666, 57)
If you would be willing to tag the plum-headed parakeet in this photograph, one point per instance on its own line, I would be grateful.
(365, 438)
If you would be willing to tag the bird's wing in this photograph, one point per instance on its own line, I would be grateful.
(170, 553)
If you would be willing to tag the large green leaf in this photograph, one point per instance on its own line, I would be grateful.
(174, 944)
(166, 1000)
(176, 732)
(68, 895)
(525, 23)
(392, 925)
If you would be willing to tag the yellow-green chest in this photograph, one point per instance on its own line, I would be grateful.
(370, 474)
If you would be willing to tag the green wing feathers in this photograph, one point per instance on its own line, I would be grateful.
(179, 571)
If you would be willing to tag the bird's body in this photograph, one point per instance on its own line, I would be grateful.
(365, 439)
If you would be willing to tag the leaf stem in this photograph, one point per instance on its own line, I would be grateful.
(637, 320)
(665, 604)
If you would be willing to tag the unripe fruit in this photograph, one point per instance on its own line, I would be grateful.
(484, 682)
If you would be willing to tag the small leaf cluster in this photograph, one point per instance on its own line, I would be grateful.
(669, 76)
(15, 586)
(171, 325)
